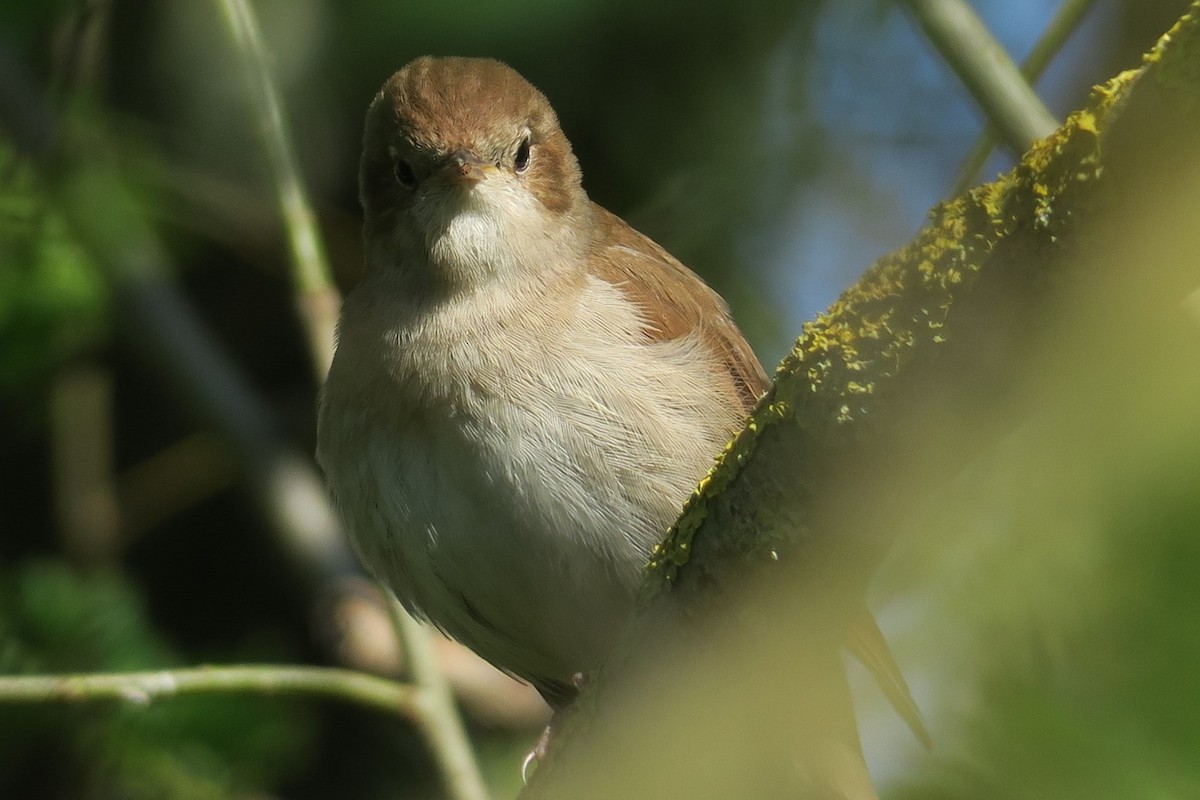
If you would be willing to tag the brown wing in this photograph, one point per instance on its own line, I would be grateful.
(675, 300)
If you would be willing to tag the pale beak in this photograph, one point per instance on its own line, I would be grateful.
(465, 167)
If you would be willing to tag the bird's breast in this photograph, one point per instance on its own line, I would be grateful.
(510, 475)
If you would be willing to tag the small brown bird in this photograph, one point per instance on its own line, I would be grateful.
(525, 389)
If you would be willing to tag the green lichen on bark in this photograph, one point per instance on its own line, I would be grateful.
(1168, 63)
(839, 382)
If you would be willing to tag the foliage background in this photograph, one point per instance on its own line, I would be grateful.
(776, 149)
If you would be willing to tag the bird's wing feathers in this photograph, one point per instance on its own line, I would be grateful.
(675, 301)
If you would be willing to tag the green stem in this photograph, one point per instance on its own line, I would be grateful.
(316, 296)
(1069, 15)
(981, 63)
(143, 687)
(442, 727)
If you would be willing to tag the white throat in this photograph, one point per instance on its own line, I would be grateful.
(495, 230)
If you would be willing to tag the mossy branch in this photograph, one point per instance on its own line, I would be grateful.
(911, 372)
(976, 275)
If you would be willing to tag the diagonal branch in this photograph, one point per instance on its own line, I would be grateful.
(317, 298)
(1002, 92)
(1065, 22)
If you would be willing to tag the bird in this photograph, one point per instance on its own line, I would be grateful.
(525, 389)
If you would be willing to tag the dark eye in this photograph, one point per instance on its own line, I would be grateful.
(405, 174)
(521, 159)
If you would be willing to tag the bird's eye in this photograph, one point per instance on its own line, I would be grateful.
(521, 159)
(405, 174)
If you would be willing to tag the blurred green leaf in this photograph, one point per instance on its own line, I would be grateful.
(53, 619)
(53, 301)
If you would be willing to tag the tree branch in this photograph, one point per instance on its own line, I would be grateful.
(319, 302)
(143, 687)
(1008, 101)
(317, 299)
(1068, 18)
(442, 727)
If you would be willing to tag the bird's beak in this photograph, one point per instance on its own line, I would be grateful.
(464, 167)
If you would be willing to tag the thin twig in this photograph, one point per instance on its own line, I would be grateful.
(1065, 22)
(442, 727)
(143, 687)
(319, 302)
(317, 298)
(81, 438)
(981, 63)
(157, 324)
